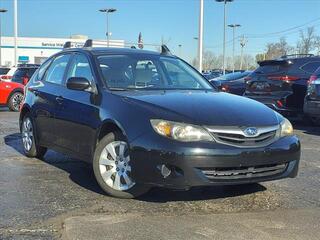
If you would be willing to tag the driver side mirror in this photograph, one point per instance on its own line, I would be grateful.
(78, 84)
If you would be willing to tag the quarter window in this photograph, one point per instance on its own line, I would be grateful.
(57, 69)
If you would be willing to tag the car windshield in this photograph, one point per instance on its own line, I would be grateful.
(146, 71)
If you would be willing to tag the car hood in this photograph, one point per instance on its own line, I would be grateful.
(204, 107)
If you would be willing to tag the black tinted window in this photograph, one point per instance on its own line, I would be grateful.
(4, 71)
(310, 67)
(57, 69)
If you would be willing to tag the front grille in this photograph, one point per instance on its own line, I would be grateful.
(243, 172)
(237, 137)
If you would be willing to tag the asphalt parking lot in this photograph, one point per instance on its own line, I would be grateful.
(58, 197)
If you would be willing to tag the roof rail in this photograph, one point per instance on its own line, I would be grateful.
(67, 45)
(297, 55)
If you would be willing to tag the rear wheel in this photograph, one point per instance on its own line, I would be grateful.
(15, 101)
(112, 168)
(30, 147)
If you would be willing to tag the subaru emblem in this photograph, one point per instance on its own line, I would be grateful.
(251, 131)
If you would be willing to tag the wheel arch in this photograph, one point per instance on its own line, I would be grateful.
(109, 126)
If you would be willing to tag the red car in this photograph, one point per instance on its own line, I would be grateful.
(11, 95)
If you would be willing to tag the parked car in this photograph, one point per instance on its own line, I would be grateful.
(282, 83)
(11, 95)
(211, 74)
(6, 73)
(312, 100)
(146, 119)
(24, 72)
(232, 82)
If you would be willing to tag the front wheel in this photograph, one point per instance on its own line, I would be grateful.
(30, 147)
(112, 168)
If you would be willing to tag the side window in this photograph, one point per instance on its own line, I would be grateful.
(310, 67)
(80, 67)
(56, 70)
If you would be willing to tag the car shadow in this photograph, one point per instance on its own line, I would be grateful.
(4, 109)
(311, 130)
(81, 173)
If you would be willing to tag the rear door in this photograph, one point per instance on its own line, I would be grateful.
(47, 92)
(77, 116)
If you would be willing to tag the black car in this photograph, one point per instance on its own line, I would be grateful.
(282, 83)
(24, 72)
(234, 83)
(312, 100)
(211, 74)
(148, 119)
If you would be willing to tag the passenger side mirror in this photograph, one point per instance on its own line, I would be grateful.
(78, 83)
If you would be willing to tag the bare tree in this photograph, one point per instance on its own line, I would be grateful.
(307, 41)
(275, 50)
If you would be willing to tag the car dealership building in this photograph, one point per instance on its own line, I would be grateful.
(36, 50)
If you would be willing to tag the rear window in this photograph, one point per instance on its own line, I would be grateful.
(310, 67)
(269, 69)
(4, 71)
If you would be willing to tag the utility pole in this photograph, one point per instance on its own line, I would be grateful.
(200, 37)
(233, 26)
(15, 26)
(243, 43)
(1, 11)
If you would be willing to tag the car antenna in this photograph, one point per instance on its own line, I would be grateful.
(165, 50)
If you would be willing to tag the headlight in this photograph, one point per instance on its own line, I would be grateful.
(180, 131)
(286, 128)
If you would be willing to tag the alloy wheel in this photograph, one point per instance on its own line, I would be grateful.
(16, 101)
(114, 166)
(27, 134)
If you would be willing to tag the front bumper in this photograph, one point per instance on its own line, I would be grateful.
(206, 164)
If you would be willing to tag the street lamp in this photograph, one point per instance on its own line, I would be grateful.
(224, 32)
(107, 11)
(233, 26)
(180, 52)
(1, 11)
(200, 36)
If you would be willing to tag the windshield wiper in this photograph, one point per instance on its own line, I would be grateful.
(118, 89)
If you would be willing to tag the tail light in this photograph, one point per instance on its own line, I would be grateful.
(283, 78)
(225, 88)
(25, 80)
(312, 78)
(247, 79)
(5, 77)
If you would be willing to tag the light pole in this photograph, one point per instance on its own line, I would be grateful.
(107, 11)
(233, 26)
(224, 31)
(200, 42)
(15, 30)
(1, 11)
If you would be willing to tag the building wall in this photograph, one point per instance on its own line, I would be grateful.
(36, 50)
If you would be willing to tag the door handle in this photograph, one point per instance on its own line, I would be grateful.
(59, 100)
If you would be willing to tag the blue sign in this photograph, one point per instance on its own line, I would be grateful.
(23, 59)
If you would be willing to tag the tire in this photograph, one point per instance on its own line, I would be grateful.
(113, 170)
(29, 142)
(15, 101)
